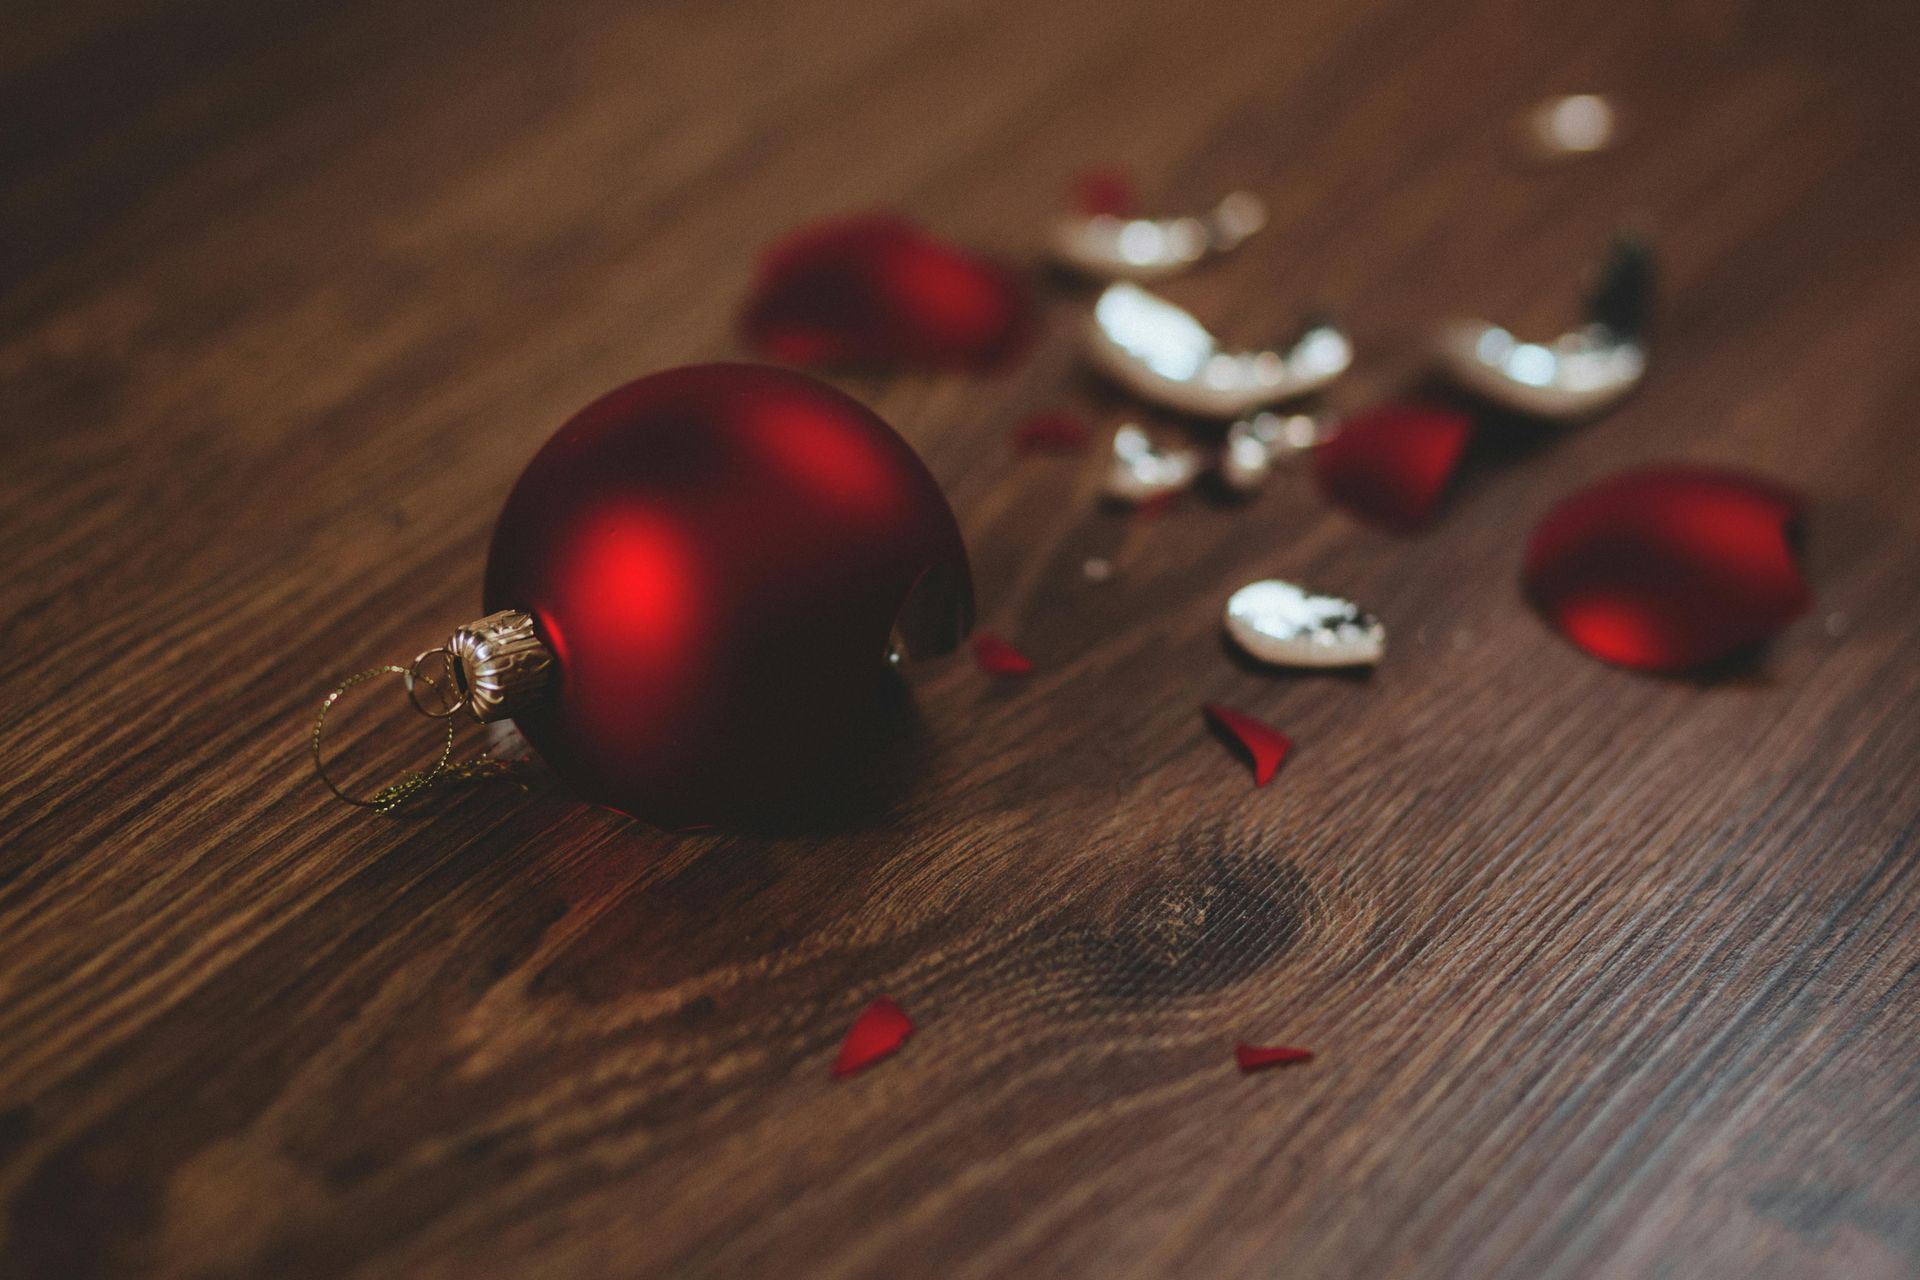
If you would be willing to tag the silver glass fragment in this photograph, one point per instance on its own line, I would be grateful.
(1577, 374)
(1255, 444)
(1107, 247)
(1163, 354)
(1139, 470)
(1288, 626)
(1573, 124)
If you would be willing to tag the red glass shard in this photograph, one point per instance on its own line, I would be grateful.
(878, 290)
(1055, 431)
(1265, 744)
(1104, 191)
(1391, 465)
(998, 658)
(878, 1032)
(1253, 1057)
(1669, 568)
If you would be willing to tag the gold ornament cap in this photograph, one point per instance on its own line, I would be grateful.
(501, 666)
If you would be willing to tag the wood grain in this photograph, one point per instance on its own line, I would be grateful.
(1608, 975)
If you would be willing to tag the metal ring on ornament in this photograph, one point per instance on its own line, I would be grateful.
(451, 705)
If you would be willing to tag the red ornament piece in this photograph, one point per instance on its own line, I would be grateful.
(878, 290)
(1668, 568)
(1054, 432)
(1253, 1057)
(877, 1033)
(1106, 192)
(1266, 745)
(716, 557)
(998, 658)
(1391, 465)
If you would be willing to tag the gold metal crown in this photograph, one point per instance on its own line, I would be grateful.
(501, 664)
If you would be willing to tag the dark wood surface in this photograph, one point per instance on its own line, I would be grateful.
(1609, 975)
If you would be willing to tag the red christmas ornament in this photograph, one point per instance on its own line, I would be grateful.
(716, 561)
(1666, 568)
(879, 290)
(1391, 465)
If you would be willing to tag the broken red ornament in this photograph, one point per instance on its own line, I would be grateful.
(1265, 744)
(1391, 465)
(1253, 1057)
(878, 1032)
(1055, 431)
(1669, 568)
(998, 658)
(879, 290)
(1107, 192)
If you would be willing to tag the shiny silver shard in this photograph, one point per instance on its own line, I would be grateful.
(1573, 124)
(1107, 247)
(1162, 354)
(1577, 374)
(1254, 445)
(1288, 626)
(1139, 470)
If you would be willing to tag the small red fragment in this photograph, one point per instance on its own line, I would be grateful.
(1104, 191)
(878, 290)
(878, 1032)
(1391, 465)
(1267, 745)
(1055, 431)
(998, 658)
(1254, 1057)
(1671, 567)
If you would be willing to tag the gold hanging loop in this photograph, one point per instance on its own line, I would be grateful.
(393, 794)
(490, 668)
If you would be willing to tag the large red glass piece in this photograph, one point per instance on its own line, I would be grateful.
(717, 557)
(1391, 465)
(879, 290)
(1668, 568)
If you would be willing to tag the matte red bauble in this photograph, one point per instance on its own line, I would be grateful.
(1391, 465)
(1667, 568)
(879, 290)
(718, 563)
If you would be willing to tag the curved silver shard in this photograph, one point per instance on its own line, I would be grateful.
(1289, 626)
(1577, 374)
(1161, 353)
(1572, 124)
(1139, 470)
(1107, 247)
(1255, 444)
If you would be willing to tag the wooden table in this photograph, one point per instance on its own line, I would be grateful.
(1609, 975)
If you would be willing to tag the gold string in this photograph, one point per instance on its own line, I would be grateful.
(411, 785)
